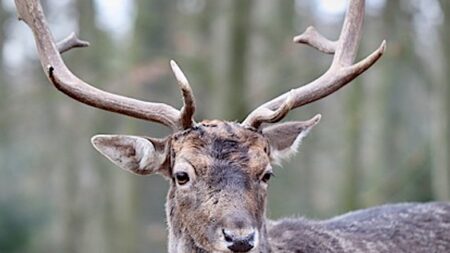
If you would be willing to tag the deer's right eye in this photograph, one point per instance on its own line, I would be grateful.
(182, 178)
(266, 177)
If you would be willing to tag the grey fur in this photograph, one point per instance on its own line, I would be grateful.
(398, 228)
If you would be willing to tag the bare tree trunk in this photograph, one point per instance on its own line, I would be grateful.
(354, 122)
(3, 99)
(389, 173)
(219, 58)
(237, 66)
(440, 98)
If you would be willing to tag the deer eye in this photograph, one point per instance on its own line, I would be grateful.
(266, 177)
(182, 178)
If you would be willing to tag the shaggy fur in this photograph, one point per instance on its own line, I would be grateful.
(399, 228)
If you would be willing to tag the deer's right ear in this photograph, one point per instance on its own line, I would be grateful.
(138, 155)
(284, 138)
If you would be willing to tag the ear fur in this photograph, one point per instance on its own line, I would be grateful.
(138, 155)
(285, 138)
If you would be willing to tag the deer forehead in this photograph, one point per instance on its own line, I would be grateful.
(219, 143)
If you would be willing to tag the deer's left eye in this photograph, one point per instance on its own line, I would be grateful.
(266, 177)
(182, 178)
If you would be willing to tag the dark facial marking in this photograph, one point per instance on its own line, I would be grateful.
(225, 176)
(224, 149)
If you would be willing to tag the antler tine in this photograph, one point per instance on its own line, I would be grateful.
(316, 40)
(30, 11)
(270, 116)
(188, 109)
(72, 41)
(341, 70)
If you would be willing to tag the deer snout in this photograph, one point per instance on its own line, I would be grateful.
(239, 241)
(238, 232)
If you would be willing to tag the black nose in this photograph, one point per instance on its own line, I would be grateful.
(239, 243)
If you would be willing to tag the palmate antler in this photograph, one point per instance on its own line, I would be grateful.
(341, 71)
(30, 11)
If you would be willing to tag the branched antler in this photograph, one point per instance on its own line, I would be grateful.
(267, 115)
(72, 41)
(341, 71)
(30, 11)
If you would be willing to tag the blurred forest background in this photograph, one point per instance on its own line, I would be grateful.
(384, 138)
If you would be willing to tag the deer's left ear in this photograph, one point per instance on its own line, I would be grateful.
(285, 138)
(139, 155)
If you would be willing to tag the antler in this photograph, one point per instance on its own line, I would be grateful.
(30, 11)
(341, 71)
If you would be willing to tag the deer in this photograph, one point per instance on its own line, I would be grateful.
(219, 170)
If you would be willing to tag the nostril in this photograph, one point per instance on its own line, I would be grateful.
(239, 243)
(228, 237)
(251, 238)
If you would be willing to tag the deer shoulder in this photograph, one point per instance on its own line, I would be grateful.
(407, 227)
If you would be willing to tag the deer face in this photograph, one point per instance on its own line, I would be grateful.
(219, 182)
(219, 173)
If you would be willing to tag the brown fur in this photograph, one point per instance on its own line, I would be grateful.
(228, 161)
